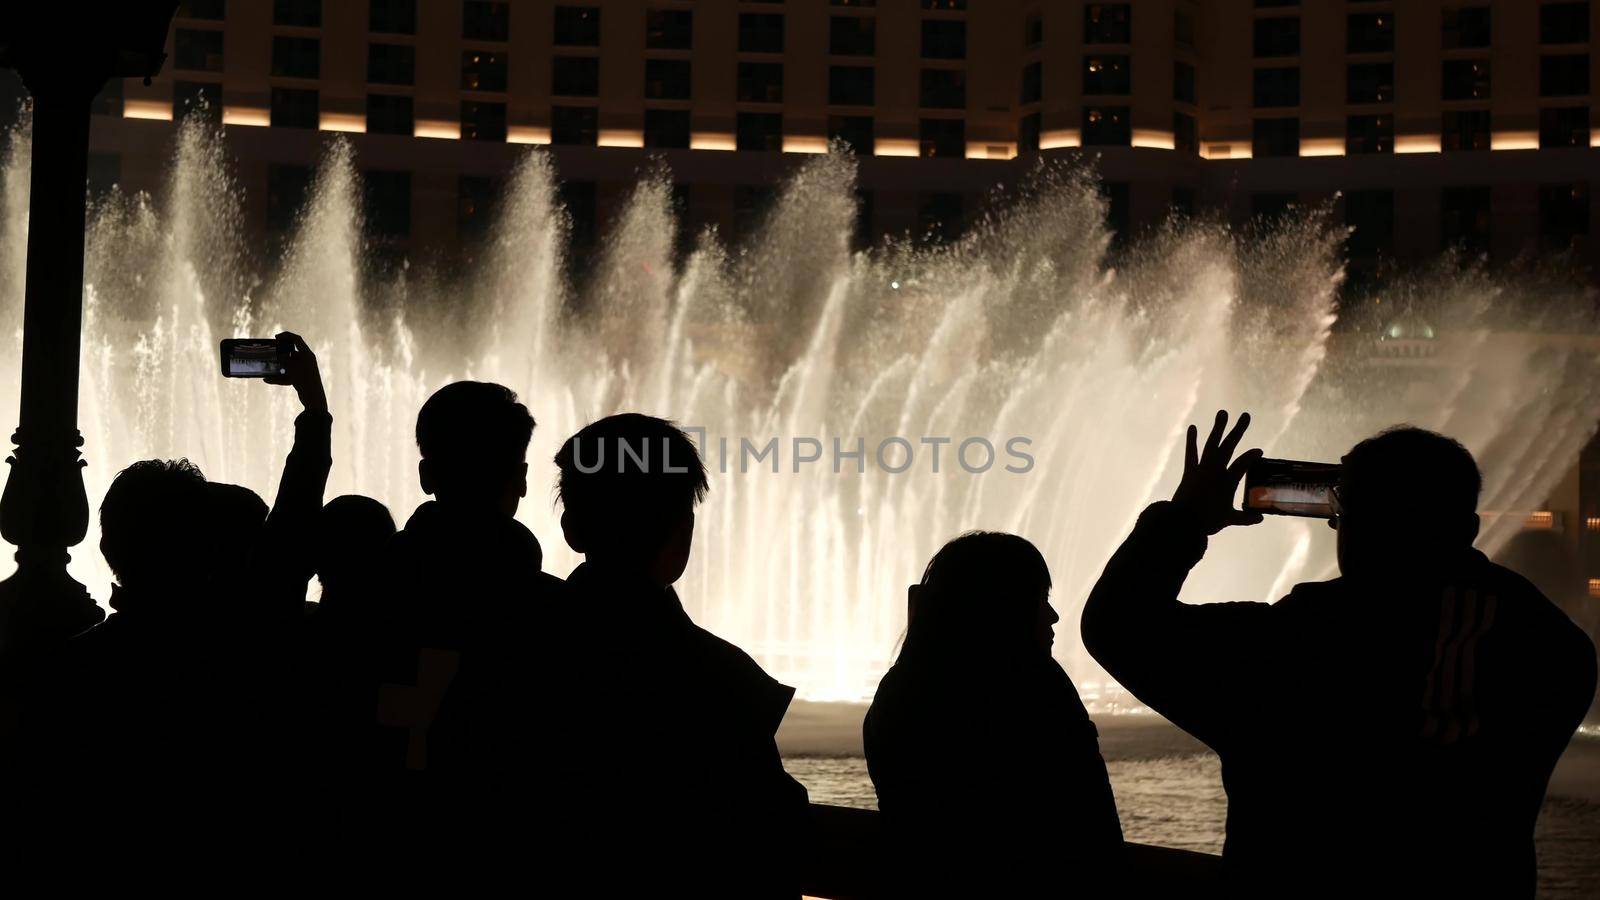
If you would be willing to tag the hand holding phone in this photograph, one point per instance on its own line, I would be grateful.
(1211, 476)
(285, 359)
(1291, 487)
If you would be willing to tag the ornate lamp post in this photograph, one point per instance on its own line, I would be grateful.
(64, 53)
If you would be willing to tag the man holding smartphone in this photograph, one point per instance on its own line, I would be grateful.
(1392, 730)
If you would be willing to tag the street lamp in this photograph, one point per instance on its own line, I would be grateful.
(64, 53)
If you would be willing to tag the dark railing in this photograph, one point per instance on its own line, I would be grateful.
(845, 856)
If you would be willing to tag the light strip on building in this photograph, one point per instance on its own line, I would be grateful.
(1417, 143)
(986, 150)
(1594, 138)
(804, 143)
(1154, 139)
(1059, 138)
(437, 128)
(895, 147)
(1226, 151)
(147, 109)
(255, 117)
(355, 123)
(621, 137)
(1322, 147)
(1514, 140)
(527, 134)
(712, 140)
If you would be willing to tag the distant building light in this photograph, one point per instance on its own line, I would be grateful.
(1543, 520)
(147, 109)
(1594, 588)
(1592, 523)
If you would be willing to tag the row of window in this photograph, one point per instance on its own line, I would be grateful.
(1468, 129)
(1565, 75)
(481, 20)
(1459, 28)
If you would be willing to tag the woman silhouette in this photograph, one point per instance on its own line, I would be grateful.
(987, 767)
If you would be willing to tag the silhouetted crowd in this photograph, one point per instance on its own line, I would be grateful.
(451, 716)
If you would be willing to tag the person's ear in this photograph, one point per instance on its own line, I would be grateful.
(573, 533)
(425, 476)
(522, 481)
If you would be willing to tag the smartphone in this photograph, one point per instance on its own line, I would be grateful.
(254, 357)
(1291, 487)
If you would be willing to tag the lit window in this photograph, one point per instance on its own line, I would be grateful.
(1592, 523)
(1543, 520)
(1594, 588)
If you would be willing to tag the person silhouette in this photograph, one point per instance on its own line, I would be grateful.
(1395, 726)
(681, 754)
(351, 534)
(986, 764)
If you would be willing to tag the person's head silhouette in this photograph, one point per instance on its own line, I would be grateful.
(237, 515)
(982, 594)
(474, 440)
(628, 486)
(351, 533)
(154, 526)
(1407, 505)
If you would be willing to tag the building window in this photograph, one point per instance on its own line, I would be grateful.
(1564, 23)
(1183, 82)
(391, 63)
(1183, 28)
(103, 173)
(298, 13)
(669, 29)
(666, 128)
(1109, 75)
(1369, 134)
(1108, 23)
(483, 20)
(1370, 217)
(1032, 82)
(852, 35)
(1563, 214)
(1276, 137)
(1464, 220)
(1465, 129)
(1277, 37)
(667, 79)
(215, 10)
(476, 196)
(1106, 126)
(1369, 33)
(761, 132)
(109, 101)
(944, 89)
(1566, 75)
(1564, 126)
(760, 33)
(1369, 83)
(945, 138)
(853, 130)
(1185, 136)
(196, 98)
(852, 85)
(199, 51)
(483, 70)
(1465, 79)
(1465, 28)
(1277, 87)
(389, 114)
(287, 190)
(386, 203)
(944, 39)
(294, 108)
(294, 57)
(1271, 204)
(1028, 131)
(577, 26)
(939, 216)
(575, 76)
(483, 121)
(945, 5)
(1273, 4)
(392, 17)
(760, 82)
(857, 4)
(574, 126)
(1033, 31)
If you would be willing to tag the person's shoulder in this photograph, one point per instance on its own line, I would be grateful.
(1312, 596)
(736, 672)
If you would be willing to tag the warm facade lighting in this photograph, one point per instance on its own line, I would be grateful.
(1057, 138)
(1594, 138)
(1592, 523)
(147, 109)
(712, 140)
(985, 150)
(253, 116)
(1226, 151)
(1542, 520)
(1594, 588)
(1514, 140)
(895, 147)
(1154, 139)
(349, 122)
(1325, 146)
(621, 137)
(437, 128)
(804, 143)
(527, 134)
(1416, 143)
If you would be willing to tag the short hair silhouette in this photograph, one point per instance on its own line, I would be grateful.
(629, 478)
(474, 437)
(152, 516)
(1411, 471)
(352, 531)
(981, 588)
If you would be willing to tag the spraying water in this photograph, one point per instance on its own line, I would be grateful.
(942, 366)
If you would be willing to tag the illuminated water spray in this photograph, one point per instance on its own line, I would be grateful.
(1020, 331)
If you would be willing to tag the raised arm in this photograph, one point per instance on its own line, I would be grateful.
(1183, 661)
(285, 554)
